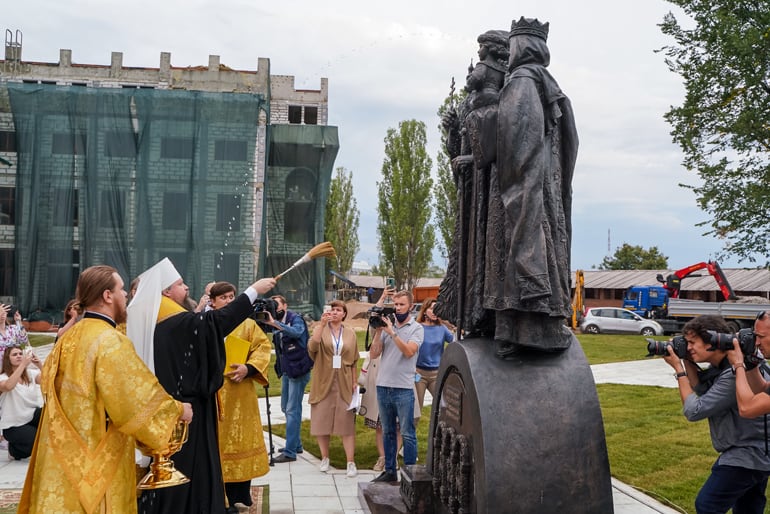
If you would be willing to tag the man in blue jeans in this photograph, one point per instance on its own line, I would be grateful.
(291, 329)
(739, 476)
(398, 343)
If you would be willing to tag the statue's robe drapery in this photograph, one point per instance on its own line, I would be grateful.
(536, 152)
(476, 240)
(189, 356)
(241, 439)
(100, 397)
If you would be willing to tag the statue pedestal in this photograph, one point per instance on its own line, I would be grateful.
(523, 435)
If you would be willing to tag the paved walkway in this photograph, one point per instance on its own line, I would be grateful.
(299, 487)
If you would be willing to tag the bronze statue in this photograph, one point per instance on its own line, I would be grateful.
(511, 275)
(471, 145)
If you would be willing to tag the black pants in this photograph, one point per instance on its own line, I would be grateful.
(22, 439)
(238, 492)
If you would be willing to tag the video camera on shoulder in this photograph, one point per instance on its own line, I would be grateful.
(376, 315)
(262, 307)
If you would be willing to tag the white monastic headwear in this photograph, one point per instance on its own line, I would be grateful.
(143, 309)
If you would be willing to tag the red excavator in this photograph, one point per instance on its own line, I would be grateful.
(673, 282)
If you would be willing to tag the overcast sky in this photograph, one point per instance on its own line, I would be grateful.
(392, 61)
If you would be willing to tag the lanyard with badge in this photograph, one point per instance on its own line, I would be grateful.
(337, 342)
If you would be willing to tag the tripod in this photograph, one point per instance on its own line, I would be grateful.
(269, 425)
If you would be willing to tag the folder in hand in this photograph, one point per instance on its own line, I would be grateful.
(236, 351)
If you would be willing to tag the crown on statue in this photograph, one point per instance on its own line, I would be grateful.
(529, 26)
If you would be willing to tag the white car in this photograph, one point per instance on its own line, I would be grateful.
(614, 320)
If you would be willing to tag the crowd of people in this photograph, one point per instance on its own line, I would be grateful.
(128, 368)
(106, 390)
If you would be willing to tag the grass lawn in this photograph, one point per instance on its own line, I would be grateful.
(651, 446)
(41, 339)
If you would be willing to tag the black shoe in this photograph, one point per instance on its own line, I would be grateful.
(281, 450)
(386, 477)
(284, 458)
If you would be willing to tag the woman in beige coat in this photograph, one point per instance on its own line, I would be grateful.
(334, 350)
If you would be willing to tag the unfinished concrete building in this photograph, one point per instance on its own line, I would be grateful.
(224, 171)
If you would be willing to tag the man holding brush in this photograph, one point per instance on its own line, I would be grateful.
(186, 351)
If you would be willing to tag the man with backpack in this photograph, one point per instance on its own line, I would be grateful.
(293, 365)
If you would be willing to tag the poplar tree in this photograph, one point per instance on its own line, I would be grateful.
(341, 221)
(406, 237)
(445, 198)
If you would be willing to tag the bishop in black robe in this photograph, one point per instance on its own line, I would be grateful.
(189, 363)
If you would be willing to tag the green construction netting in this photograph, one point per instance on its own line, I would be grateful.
(128, 176)
(300, 162)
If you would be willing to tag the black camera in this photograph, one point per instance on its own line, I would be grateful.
(747, 341)
(678, 343)
(262, 307)
(376, 315)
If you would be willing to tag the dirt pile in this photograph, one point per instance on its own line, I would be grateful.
(357, 318)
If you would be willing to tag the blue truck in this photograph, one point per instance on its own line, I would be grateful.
(647, 301)
(662, 302)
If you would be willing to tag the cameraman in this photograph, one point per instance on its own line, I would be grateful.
(751, 388)
(398, 342)
(739, 476)
(290, 338)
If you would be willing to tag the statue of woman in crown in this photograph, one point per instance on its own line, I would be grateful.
(529, 288)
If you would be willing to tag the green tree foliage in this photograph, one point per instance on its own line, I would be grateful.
(723, 125)
(635, 257)
(406, 237)
(445, 198)
(341, 221)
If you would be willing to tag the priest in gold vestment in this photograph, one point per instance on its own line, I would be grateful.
(100, 397)
(241, 439)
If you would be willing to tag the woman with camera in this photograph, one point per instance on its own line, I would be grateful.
(334, 350)
(241, 441)
(11, 335)
(21, 400)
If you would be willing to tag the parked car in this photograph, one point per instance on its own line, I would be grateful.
(614, 320)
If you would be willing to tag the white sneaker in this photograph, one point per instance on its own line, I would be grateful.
(352, 470)
(324, 467)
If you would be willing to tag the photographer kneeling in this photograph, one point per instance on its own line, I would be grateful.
(751, 388)
(739, 476)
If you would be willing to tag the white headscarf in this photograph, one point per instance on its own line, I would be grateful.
(143, 309)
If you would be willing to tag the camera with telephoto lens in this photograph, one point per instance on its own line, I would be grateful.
(678, 343)
(747, 341)
(376, 315)
(262, 307)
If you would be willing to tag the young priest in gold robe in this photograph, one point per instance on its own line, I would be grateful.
(241, 439)
(100, 397)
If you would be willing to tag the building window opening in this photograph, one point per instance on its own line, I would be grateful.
(311, 115)
(7, 206)
(176, 148)
(295, 114)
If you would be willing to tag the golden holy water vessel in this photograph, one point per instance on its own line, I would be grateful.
(162, 471)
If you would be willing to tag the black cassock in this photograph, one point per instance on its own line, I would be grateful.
(189, 363)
